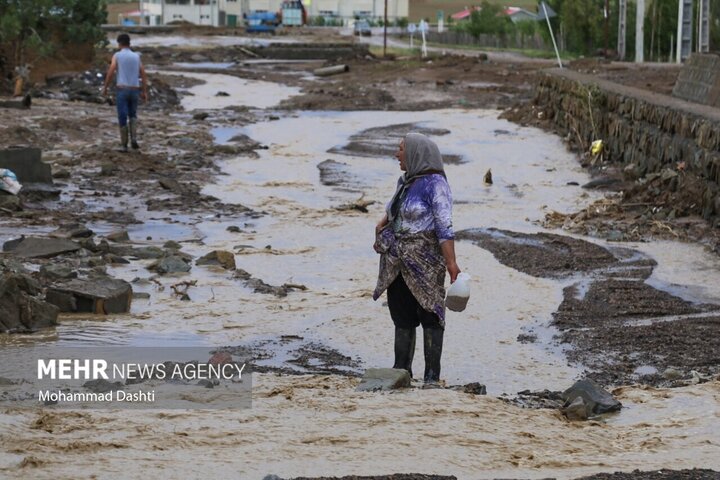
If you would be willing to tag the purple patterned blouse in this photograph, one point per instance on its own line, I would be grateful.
(427, 206)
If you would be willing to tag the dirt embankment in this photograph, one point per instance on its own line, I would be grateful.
(658, 160)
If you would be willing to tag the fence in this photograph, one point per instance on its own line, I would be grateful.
(513, 40)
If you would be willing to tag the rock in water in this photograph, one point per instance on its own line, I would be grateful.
(171, 264)
(596, 399)
(577, 410)
(21, 310)
(100, 296)
(487, 179)
(39, 247)
(379, 379)
(218, 257)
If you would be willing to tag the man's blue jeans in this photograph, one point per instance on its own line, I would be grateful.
(127, 102)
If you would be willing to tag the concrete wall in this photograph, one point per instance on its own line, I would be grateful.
(699, 80)
(645, 133)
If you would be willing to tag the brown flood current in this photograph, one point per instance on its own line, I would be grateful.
(317, 424)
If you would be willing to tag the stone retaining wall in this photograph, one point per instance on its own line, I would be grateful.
(645, 133)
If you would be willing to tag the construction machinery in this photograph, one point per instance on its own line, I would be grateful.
(262, 22)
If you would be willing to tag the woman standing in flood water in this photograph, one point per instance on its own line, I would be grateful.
(416, 244)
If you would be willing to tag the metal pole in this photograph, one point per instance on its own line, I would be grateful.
(639, 32)
(622, 29)
(607, 27)
(385, 32)
(552, 35)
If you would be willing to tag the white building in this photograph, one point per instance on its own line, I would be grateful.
(230, 12)
(199, 12)
(152, 12)
(349, 9)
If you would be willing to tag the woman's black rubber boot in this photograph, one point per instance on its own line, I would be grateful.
(404, 348)
(433, 338)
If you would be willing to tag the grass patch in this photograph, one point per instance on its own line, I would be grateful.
(398, 52)
(528, 52)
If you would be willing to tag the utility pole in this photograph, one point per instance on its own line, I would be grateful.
(639, 32)
(704, 27)
(685, 27)
(607, 27)
(385, 32)
(622, 28)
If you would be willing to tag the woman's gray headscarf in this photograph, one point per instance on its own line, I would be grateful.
(422, 156)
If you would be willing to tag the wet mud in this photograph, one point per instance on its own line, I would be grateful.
(384, 141)
(694, 474)
(294, 355)
(621, 329)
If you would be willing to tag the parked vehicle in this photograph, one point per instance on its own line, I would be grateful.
(258, 22)
(362, 27)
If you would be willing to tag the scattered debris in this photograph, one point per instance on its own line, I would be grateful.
(487, 179)
(332, 70)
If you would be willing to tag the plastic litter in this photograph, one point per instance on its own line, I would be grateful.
(596, 147)
(9, 182)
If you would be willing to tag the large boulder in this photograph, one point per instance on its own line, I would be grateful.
(39, 247)
(586, 398)
(21, 308)
(99, 295)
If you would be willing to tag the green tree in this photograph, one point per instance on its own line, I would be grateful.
(583, 24)
(490, 19)
(24, 26)
(29, 29)
(660, 28)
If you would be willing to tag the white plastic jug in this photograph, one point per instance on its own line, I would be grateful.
(459, 293)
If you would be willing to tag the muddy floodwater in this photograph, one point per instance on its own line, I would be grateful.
(314, 425)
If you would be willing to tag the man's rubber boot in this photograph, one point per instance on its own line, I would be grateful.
(133, 134)
(124, 139)
(433, 340)
(404, 348)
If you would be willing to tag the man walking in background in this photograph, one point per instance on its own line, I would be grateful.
(129, 69)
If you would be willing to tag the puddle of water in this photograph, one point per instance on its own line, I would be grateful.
(241, 92)
(272, 61)
(223, 135)
(205, 65)
(202, 42)
(685, 270)
(483, 85)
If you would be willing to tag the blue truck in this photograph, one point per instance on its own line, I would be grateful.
(259, 22)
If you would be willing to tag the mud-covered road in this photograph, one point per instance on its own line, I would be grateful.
(287, 173)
